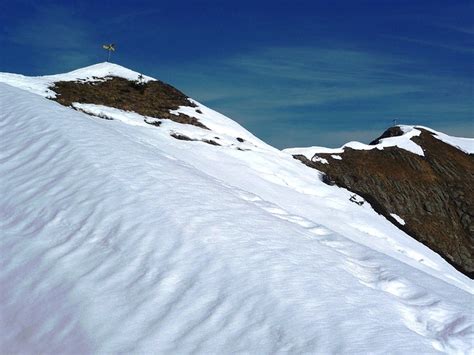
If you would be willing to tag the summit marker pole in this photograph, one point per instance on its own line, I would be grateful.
(110, 48)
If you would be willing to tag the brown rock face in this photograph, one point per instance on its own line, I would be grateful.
(153, 98)
(433, 194)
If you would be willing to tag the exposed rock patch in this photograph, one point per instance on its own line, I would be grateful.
(182, 137)
(103, 116)
(152, 98)
(391, 132)
(433, 194)
(211, 142)
(155, 123)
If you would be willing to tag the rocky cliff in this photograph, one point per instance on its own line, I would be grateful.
(433, 194)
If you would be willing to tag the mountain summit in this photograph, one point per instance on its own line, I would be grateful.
(136, 219)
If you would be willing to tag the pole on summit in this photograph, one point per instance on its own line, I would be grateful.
(109, 48)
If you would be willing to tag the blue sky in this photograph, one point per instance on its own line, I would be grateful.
(295, 73)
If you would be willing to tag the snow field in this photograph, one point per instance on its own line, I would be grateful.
(116, 237)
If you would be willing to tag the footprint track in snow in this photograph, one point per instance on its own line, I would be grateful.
(421, 312)
(282, 214)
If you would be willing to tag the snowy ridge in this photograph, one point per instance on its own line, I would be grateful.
(219, 123)
(222, 128)
(404, 142)
(464, 144)
(40, 84)
(195, 248)
(226, 128)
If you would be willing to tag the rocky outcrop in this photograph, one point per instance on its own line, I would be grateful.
(153, 98)
(391, 132)
(433, 194)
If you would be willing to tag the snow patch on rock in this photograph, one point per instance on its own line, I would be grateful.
(404, 142)
(398, 218)
(315, 158)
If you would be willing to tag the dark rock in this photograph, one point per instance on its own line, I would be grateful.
(181, 137)
(391, 132)
(327, 180)
(153, 123)
(210, 141)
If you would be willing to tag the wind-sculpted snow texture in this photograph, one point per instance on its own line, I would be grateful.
(117, 237)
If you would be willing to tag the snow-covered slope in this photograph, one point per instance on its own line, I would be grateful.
(118, 238)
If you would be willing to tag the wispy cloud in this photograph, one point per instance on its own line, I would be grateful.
(292, 77)
(468, 29)
(458, 48)
(55, 36)
(287, 87)
(305, 76)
